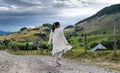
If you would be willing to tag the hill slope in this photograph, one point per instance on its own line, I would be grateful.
(30, 34)
(101, 22)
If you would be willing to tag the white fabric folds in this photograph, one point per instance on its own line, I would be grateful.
(68, 47)
(59, 41)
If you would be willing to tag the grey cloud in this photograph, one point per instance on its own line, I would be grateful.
(18, 3)
(32, 12)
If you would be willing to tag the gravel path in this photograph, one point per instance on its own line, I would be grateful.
(43, 64)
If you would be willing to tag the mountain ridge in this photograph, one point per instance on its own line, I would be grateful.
(4, 33)
(102, 22)
(113, 9)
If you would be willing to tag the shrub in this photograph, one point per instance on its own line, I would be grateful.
(47, 30)
(108, 44)
(33, 47)
(24, 28)
(75, 34)
(2, 47)
(93, 45)
(70, 26)
(44, 46)
(40, 35)
(80, 39)
(104, 32)
(77, 28)
(14, 47)
(6, 42)
(118, 44)
(35, 28)
(47, 25)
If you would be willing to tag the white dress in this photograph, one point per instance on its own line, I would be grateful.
(59, 41)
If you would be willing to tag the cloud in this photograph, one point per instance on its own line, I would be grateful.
(18, 3)
(108, 1)
(19, 13)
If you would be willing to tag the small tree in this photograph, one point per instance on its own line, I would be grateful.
(6, 43)
(27, 46)
(23, 28)
(47, 25)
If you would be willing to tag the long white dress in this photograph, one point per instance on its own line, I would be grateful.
(59, 41)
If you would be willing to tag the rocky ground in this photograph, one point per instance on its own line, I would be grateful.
(43, 64)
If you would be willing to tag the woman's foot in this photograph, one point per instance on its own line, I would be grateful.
(58, 62)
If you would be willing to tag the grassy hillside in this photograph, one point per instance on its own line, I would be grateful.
(29, 34)
(113, 9)
(101, 22)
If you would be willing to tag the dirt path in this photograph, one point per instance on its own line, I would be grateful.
(42, 64)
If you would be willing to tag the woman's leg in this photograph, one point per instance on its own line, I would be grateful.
(58, 57)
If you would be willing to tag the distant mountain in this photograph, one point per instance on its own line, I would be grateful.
(4, 33)
(102, 22)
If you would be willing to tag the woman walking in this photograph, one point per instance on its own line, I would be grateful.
(59, 42)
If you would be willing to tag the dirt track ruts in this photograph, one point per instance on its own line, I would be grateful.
(43, 64)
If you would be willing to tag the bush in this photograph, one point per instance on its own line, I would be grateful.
(2, 47)
(17, 46)
(35, 28)
(24, 28)
(75, 34)
(104, 32)
(47, 30)
(118, 44)
(44, 46)
(77, 28)
(93, 45)
(108, 44)
(70, 26)
(80, 39)
(6, 42)
(40, 35)
(14, 47)
(27, 46)
(47, 25)
(33, 47)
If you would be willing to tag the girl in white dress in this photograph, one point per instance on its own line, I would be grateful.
(59, 42)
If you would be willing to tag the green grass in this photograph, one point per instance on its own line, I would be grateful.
(30, 52)
(99, 58)
(93, 38)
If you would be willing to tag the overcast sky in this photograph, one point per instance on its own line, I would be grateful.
(15, 14)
